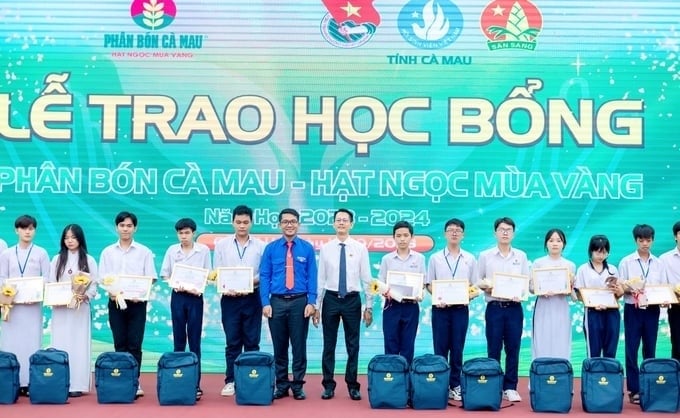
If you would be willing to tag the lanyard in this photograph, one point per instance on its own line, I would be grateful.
(454, 270)
(241, 254)
(645, 273)
(22, 269)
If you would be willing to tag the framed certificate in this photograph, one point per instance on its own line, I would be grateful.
(189, 277)
(29, 289)
(553, 281)
(510, 286)
(235, 279)
(58, 294)
(134, 287)
(408, 285)
(450, 292)
(660, 295)
(595, 298)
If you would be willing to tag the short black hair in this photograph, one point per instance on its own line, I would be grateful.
(124, 215)
(343, 210)
(402, 224)
(643, 231)
(242, 210)
(185, 223)
(24, 221)
(289, 211)
(504, 220)
(454, 221)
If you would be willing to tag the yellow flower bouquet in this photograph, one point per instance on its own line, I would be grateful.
(7, 294)
(79, 285)
(380, 288)
(212, 276)
(473, 292)
(636, 287)
(109, 284)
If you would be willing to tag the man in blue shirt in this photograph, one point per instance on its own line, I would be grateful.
(288, 289)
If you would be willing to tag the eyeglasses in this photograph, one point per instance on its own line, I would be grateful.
(504, 230)
(289, 222)
(454, 231)
(343, 220)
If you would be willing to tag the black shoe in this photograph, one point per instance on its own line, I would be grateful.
(299, 394)
(328, 393)
(23, 391)
(280, 393)
(76, 394)
(199, 394)
(354, 394)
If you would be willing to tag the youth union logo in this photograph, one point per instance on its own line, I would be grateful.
(430, 24)
(511, 24)
(349, 23)
(153, 14)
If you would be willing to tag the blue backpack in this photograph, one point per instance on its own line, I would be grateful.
(388, 382)
(602, 385)
(429, 382)
(254, 378)
(177, 378)
(116, 377)
(481, 385)
(551, 382)
(660, 385)
(9, 378)
(49, 377)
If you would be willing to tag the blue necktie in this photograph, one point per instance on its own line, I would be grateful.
(342, 282)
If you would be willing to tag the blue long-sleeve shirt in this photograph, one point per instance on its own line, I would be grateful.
(273, 270)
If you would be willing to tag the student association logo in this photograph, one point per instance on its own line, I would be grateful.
(349, 23)
(511, 24)
(430, 24)
(153, 14)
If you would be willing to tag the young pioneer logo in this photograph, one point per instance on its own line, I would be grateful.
(430, 24)
(349, 23)
(511, 24)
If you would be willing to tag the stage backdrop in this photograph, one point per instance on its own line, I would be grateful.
(557, 114)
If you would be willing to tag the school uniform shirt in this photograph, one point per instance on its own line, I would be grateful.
(588, 278)
(358, 268)
(671, 263)
(198, 256)
(229, 253)
(492, 261)
(444, 265)
(3, 246)
(650, 271)
(135, 260)
(413, 263)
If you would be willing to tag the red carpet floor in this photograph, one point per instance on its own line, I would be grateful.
(214, 405)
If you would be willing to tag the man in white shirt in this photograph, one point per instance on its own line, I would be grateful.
(127, 256)
(344, 269)
(671, 263)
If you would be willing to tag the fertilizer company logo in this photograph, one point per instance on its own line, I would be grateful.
(153, 14)
(349, 23)
(178, 373)
(511, 24)
(253, 374)
(430, 24)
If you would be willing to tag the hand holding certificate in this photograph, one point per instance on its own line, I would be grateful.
(660, 295)
(407, 285)
(598, 298)
(189, 278)
(57, 294)
(235, 280)
(128, 287)
(510, 286)
(29, 289)
(450, 292)
(551, 281)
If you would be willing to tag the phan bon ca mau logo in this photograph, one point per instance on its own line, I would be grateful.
(511, 24)
(349, 23)
(430, 24)
(153, 14)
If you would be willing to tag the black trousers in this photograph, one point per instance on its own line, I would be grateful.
(288, 323)
(334, 309)
(127, 327)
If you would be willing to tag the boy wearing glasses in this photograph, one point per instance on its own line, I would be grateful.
(288, 286)
(450, 322)
(344, 269)
(504, 317)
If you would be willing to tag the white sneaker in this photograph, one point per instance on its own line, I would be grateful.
(511, 395)
(228, 389)
(454, 394)
(140, 392)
